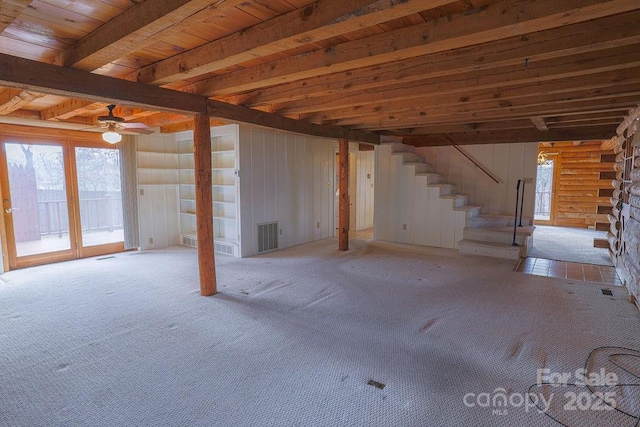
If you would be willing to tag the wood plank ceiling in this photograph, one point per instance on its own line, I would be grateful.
(431, 71)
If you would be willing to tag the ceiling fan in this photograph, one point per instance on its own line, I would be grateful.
(114, 124)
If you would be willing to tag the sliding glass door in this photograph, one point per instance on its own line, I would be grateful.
(60, 201)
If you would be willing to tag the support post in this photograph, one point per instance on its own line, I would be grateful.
(204, 204)
(343, 200)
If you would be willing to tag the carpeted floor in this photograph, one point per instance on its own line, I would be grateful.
(569, 244)
(296, 337)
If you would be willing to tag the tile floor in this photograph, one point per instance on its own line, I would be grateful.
(570, 270)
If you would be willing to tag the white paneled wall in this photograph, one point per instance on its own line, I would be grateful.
(157, 168)
(285, 178)
(507, 162)
(365, 188)
(407, 210)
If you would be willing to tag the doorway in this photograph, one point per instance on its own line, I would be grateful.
(61, 200)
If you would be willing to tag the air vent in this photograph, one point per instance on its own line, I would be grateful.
(267, 237)
(223, 248)
(607, 292)
(189, 240)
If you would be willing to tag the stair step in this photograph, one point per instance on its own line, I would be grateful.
(500, 234)
(420, 167)
(490, 249)
(488, 220)
(408, 157)
(398, 146)
(445, 189)
(458, 199)
(471, 210)
(432, 178)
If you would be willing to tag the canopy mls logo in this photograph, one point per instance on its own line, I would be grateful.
(500, 400)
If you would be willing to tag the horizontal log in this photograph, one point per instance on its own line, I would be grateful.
(635, 175)
(636, 162)
(615, 212)
(634, 201)
(618, 185)
(634, 213)
(633, 115)
(612, 242)
(614, 228)
(618, 166)
(620, 156)
(635, 188)
(617, 194)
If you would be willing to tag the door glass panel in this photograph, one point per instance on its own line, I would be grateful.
(544, 186)
(98, 171)
(38, 198)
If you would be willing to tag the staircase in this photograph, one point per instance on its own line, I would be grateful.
(452, 222)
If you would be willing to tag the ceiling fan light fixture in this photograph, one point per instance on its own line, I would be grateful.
(111, 136)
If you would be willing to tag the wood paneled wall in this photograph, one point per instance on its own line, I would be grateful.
(583, 183)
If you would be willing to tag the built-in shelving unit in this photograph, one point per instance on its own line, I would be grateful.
(224, 159)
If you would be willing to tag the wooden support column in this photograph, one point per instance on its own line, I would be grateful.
(204, 204)
(343, 228)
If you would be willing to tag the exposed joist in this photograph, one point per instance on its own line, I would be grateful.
(611, 65)
(46, 78)
(261, 118)
(499, 106)
(452, 117)
(315, 22)
(561, 42)
(12, 100)
(66, 109)
(422, 98)
(10, 10)
(496, 21)
(125, 33)
(513, 136)
(188, 125)
(539, 123)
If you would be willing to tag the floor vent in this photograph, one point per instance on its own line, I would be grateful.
(267, 237)
(607, 292)
(223, 248)
(189, 241)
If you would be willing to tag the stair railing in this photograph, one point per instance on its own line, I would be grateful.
(519, 201)
(478, 165)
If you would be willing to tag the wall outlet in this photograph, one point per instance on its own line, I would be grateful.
(528, 180)
(151, 240)
(281, 231)
(404, 226)
(318, 224)
(142, 191)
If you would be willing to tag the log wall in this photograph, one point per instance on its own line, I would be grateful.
(583, 188)
(625, 216)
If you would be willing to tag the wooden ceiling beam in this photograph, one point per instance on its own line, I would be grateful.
(524, 112)
(315, 22)
(416, 100)
(188, 125)
(513, 136)
(494, 22)
(12, 100)
(10, 10)
(246, 115)
(612, 66)
(23, 73)
(539, 123)
(66, 109)
(132, 29)
(47, 78)
(560, 42)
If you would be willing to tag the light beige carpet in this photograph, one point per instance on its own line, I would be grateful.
(296, 337)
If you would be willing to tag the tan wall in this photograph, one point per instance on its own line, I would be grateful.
(579, 189)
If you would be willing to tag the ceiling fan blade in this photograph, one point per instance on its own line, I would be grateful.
(135, 125)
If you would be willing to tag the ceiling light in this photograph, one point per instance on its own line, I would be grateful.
(111, 136)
